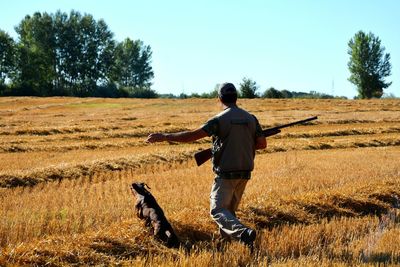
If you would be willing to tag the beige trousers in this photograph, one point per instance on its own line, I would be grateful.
(224, 200)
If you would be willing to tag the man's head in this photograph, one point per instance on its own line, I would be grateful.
(227, 93)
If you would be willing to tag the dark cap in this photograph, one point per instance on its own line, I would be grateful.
(227, 89)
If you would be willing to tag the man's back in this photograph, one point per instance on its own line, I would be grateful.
(234, 141)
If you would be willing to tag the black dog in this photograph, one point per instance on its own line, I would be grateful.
(148, 210)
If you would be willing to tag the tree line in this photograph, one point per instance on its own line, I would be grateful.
(72, 55)
(249, 88)
(75, 55)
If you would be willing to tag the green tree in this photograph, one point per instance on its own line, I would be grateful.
(248, 88)
(368, 65)
(95, 54)
(212, 94)
(272, 93)
(64, 55)
(61, 54)
(7, 57)
(286, 93)
(132, 65)
(37, 60)
(141, 92)
(69, 50)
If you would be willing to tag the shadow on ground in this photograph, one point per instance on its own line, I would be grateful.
(314, 210)
(116, 248)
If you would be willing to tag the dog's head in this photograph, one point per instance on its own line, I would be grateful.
(140, 189)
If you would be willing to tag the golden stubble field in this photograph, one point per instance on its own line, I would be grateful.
(322, 194)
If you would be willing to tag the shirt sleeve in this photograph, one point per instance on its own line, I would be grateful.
(259, 131)
(211, 127)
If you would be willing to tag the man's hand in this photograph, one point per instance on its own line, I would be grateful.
(261, 143)
(156, 137)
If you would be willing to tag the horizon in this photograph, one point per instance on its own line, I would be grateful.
(299, 47)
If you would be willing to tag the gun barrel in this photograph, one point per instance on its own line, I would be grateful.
(294, 123)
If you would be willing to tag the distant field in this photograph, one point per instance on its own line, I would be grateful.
(326, 193)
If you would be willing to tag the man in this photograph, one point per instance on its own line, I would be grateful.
(236, 135)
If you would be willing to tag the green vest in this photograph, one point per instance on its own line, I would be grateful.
(234, 145)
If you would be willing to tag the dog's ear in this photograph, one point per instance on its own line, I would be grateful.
(145, 185)
(139, 185)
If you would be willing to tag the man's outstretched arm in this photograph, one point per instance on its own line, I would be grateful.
(187, 136)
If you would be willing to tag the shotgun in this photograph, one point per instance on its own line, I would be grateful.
(204, 155)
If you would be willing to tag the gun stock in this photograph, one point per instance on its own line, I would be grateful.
(204, 155)
(271, 132)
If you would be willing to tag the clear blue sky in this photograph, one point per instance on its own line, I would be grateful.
(296, 45)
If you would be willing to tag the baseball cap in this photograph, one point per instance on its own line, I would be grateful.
(227, 89)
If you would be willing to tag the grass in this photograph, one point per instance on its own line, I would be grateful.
(94, 105)
(324, 194)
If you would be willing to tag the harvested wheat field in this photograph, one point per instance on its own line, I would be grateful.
(322, 194)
